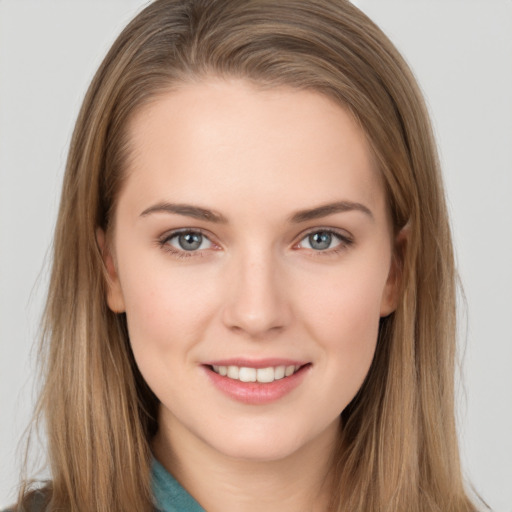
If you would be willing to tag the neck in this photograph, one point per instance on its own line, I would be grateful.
(298, 482)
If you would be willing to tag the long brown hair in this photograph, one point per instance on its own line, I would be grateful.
(398, 446)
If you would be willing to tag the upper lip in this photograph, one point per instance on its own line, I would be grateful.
(256, 363)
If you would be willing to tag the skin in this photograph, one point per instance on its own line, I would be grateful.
(256, 288)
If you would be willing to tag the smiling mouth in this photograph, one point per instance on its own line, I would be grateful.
(261, 375)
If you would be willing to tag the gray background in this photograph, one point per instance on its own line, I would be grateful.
(461, 52)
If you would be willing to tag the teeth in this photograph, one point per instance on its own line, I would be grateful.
(233, 372)
(264, 375)
(247, 374)
(289, 370)
(279, 372)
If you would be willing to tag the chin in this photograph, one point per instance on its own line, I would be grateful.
(262, 444)
(266, 450)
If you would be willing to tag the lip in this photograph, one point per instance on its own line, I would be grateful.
(256, 393)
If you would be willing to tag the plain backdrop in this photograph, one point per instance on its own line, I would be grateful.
(461, 52)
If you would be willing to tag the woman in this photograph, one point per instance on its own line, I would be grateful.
(253, 282)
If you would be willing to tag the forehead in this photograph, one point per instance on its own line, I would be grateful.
(210, 140)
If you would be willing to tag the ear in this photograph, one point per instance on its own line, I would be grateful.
(115, 298)
(391, 293)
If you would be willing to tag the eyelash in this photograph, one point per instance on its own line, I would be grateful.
(163, 243)
(344, 242)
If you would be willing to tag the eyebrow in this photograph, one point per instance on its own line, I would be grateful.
(197, 212)
(186, 210)
(329, 209)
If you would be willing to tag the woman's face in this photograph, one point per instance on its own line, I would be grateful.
(251, 238)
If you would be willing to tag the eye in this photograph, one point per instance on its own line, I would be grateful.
(324, 240)
(189, 241)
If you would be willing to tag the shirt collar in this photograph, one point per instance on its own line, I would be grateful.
(169, 495)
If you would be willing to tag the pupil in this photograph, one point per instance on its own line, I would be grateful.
(320, 240)
(190, 241)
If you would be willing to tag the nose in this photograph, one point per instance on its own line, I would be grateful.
(257, 303)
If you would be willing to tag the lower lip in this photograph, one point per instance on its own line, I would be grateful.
(257, 393)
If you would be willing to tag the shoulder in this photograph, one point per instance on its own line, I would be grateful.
(34, 501)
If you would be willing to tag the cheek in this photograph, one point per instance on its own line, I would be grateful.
(348, 305)
(167, 315)
(344, 319)
(167, 308)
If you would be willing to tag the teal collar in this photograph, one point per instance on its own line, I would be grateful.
(169, 494)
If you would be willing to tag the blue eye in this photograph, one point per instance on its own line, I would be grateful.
(323, 240)
(189, 241)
